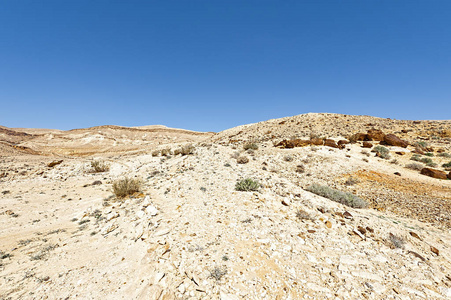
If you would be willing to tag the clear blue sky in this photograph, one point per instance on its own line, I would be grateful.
(210, 65)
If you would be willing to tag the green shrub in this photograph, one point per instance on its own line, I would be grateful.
(252, 146)
(98, 166)
(420, 144)
(426, 160)
(382, 152)
(444, 154)
(432, 164)
(447, 165)
(247, 185)
(338, 196)
(430, 154)
(416, 157)
(126, 187)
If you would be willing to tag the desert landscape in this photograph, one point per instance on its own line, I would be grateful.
(313, 206)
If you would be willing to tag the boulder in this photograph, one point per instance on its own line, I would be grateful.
(343, 142)
(330, 143)
(433, 173)
(375, 135)
(393, 140)
(367, 145)
(317, 141)
(449, 175)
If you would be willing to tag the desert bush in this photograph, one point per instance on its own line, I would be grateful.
(416, 157)
(444, 154)
(420, 144)
(414, 166)
(250, 146)
(394, 161)
(382, 152)
(300, 169)
(426, 160)
(242, 160)
(217, 273)
(187, 149)
(126, 187)
(397, 241)
(98, 166)
(351, 181)
(288, 158)
(430, 154)
(247, 185)
(447, 165)
(338, 196)
(303, 215)
(432, 164)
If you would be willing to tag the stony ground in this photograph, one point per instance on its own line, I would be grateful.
(189, 234)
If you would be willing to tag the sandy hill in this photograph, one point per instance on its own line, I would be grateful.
(315, 206)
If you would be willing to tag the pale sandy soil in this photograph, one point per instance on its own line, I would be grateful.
(190, 235)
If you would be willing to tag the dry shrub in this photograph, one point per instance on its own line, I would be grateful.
(252, 146)
(338, 196)
(98, 166)
(242, 160)
(126, 187)
(247, 185)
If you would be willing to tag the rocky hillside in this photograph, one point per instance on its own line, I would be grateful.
(237, 216)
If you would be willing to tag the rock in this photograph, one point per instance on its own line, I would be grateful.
(449, 175)
(54, 163)
(146, 201)
(343, 142)
(356, 232)
(109, 228)
(347, 215)
(433, 173)
(359, 137)
(111, 216)
(393, 140)
(330, 143)
(361, 230)
(397, 174)
(286, 201)
(415, 235)
(400, 153)
(328, 224)
(434, 250)
(417, 255)
(162, 232)
(367, 145)
(151, 210)
(317, 141)
(97, 182)
(375, 135)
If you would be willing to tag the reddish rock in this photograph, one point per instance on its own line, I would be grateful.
(330, 143)
(343, 142)
(415, 235)
(449, 175)
(433, 173)
(317, 142)
(367, 145)
(393, 140)
(359, 136)
(435, 250)
(375, 135)
(54, 163)
(400, 153)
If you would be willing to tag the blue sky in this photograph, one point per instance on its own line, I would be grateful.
(211, 65)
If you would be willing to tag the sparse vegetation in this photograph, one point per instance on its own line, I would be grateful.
(447, 165)
(98, 166)
(444, 154)
(300, 169)
(338, 196)
(425, 160)
(242, 160)
(351, 181)
(414, 166)
(43, 252)
(303, 215)
(430, 154)
(126, 187)
(247, 185)
(250, 146)
(288, 158)
(217, 273)
(187, 149)
(381, 151)
(420, 144)
(397, 241)
(431, 164)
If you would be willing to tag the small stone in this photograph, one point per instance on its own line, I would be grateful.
(347, 215)
(415, 235)
(286, 201)
(328, 224)
(151, 210)
(434, 250)
(361, 230)
(397, 173)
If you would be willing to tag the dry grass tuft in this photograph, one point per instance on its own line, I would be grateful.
(126, 187)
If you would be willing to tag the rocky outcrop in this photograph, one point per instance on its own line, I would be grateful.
(375, 135)
(393, 140)
(434, 173)
(330, 143)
